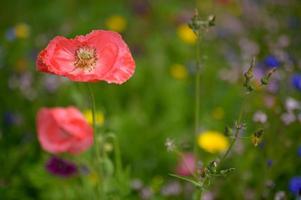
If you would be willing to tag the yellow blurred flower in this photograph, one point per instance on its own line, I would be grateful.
(213, 141)
(186, 34)
(116, 23)
(218, 113)
(98, 115)
(178, 71)
(22, 30)
(93, 178)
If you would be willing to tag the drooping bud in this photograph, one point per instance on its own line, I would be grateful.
(202, 172)
(228, 131)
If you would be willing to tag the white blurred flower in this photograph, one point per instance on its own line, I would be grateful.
(136, 184)
(291, 104)
(248, 47)
(171, 189)
(280, 195)
(260, 117)
(208, 196)
(283, 41)
(146, 193)
(170, 145)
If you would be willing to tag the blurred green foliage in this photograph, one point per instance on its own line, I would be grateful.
(154, 104)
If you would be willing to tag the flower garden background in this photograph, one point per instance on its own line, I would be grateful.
(178, 115)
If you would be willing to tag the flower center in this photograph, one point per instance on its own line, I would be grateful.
(85, 58)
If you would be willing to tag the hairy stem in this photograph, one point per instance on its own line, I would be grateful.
(198, 191)
(236, 134)
(197, 95)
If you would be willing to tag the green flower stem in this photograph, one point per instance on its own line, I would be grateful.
(93, 109)
(96, 141)
(117, 154)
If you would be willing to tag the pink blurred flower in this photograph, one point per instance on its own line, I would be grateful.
(186, 165)
(63, 130)
(98, 56)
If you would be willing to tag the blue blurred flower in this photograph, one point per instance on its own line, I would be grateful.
(269, 163)
(294, 22)
(299, 151)
(271, 61)
(296, 81)
(295, 185)
(10, 34)
(60, 167)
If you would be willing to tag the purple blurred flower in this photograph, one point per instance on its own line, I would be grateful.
(296, 81)
(271, 61)
(288, 118)
(60, 167)
(51, 83)
(295, 185)
(10, 118)
(273, 86)
(141, 8)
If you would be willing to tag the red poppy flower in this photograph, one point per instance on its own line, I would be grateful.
(63, 130)
(98, 56)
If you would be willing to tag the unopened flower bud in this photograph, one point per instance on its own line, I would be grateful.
(265, 80)
(257, 137)
(211, 20)
(226, 171)
(249, 74)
